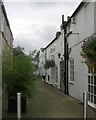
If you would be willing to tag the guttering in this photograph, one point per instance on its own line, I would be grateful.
(5, 15)
(76, 11)
(52, 41)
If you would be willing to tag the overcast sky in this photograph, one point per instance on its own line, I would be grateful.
(34, 24)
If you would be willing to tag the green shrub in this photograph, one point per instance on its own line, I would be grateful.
(18, 72)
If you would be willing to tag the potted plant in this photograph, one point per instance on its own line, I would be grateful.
(18, 77)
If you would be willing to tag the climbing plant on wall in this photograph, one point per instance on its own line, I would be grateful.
(89, 52)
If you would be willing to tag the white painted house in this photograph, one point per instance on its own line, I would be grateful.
(53, 51)
(6, 41)
(79, 27)
(41, 62)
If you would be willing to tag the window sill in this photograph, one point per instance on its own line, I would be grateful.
(56, 83)
(51, 76)
(71, 82)
(92, 106)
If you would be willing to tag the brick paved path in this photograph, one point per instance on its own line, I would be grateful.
(49, 102)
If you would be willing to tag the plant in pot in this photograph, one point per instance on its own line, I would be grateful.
(18, 78)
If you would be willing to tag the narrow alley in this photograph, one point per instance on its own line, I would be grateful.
(49, 102)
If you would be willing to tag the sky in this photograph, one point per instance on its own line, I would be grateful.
(34, 23)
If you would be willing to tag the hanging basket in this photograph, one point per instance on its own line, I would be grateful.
(49, 63)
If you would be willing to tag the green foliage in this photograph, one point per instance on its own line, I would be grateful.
(18, 51)
(34, 55)
(18, 73)
(49, 63)
(89, 52)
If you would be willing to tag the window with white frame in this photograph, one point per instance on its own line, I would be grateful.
(92, 87)
(71, 70)
(52, 72)
(52, 57)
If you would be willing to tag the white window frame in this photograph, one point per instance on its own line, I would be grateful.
(56, 72)
(71, 71)
(91, 88)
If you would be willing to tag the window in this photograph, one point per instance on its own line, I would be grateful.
(92, 87)
(71, 70)
(52, 57)
(52, 49)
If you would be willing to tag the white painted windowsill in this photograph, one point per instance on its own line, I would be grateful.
(92, 105)
(56, 83)
(71, 82)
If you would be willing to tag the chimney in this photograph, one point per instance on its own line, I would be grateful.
(58, 33)
(62, 19)
(68, 17)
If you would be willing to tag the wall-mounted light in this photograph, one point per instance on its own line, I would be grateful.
(59, 55)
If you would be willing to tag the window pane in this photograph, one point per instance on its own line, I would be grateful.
(92, 98)
(71, 67)
(72, 79)
(91, 89)
(95, 90)
(89, 79)
(72, 70)
(88, 88)
(95, 80)
(88, 97)
(72, 73)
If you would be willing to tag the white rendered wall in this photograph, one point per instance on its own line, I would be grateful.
(85, 27)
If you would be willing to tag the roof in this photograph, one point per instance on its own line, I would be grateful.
(66, 23)
(57, 35)
(76, 11)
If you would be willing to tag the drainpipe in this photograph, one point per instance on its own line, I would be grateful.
(65, 58)
(67, 55)
(65, 40)
(45, 62)
(65, 67)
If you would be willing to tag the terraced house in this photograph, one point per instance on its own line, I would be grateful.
(6, 41)
(70, 74)
(52, 53)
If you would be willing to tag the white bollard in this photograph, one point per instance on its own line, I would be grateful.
(85, 105)
(19, 105)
